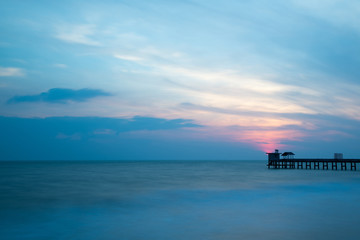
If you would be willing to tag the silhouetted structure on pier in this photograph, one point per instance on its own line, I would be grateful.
(288, 161)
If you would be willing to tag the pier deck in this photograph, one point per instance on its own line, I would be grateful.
(314, 163)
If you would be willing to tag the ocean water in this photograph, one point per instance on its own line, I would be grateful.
(176, 200)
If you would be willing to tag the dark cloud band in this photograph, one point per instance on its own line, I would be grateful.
(61, 95)
(77, 138)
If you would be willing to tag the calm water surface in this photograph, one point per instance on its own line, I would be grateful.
(163, 200)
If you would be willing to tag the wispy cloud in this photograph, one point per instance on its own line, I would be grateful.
(11, 72)
(128, 57)
(60, 65)
(336, 12)
(80, 34)
(60, 95)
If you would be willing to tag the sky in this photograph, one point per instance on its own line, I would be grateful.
(178, 80)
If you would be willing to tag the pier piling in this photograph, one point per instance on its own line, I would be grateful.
(353, 166)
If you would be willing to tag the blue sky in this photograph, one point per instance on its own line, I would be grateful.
(234, 78)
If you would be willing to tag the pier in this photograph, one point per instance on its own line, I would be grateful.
(288, 161)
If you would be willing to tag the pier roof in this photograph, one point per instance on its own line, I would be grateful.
(288, 154)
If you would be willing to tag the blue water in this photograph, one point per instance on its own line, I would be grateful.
(176, 200)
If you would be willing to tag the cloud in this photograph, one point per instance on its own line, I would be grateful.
(60, 95)
(79, 34)
(95, 138)
(336, 12)
(128, 58)
(269, 130)
(60, 65)
(11, 72)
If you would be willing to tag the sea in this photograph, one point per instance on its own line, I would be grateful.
(175, 200)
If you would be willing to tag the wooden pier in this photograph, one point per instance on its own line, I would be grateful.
(289, 162)
(309, 163)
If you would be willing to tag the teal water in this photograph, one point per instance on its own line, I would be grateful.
(178, 200)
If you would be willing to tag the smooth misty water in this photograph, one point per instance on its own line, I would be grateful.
(163, 200)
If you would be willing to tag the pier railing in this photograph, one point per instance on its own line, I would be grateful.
(315, 163)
